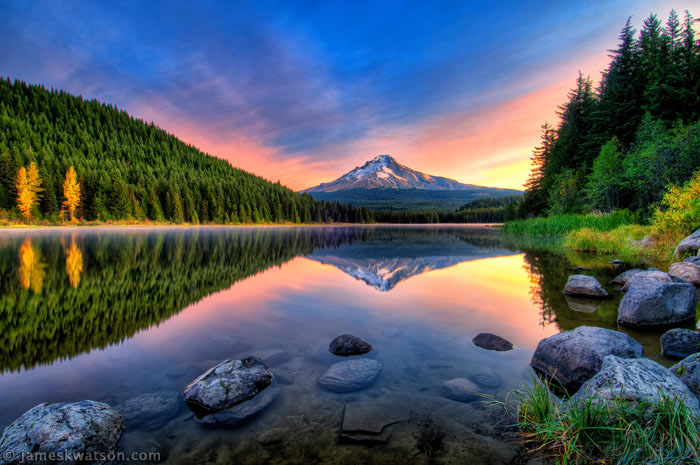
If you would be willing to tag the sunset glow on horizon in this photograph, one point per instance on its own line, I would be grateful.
(303, 94)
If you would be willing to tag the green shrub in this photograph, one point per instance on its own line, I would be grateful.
(680, 208)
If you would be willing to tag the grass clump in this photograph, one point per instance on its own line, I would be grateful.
(598, 431)
(563, 224)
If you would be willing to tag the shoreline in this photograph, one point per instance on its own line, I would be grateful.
(25, 228)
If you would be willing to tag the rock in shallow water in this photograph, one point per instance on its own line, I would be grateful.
(679, 343)
(686, 271)
(625, 276)
(63, 429)
(350, 375)
(573, 357)
(461, 390)
(647, 276)
(635, 381)
(581, 285)
(688, 371)
(649, 304)
(150, 411)
(369, 420)
(348, 344)
(273, 357)
(487, 379)
(244, 410)
(492, 342)
(226, 385)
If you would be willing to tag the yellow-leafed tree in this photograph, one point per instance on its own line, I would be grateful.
(28, 186)
(71, 191)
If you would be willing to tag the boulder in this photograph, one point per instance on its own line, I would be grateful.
(150, 411)
(244, 410)
(647, 276)
(492, 342)
(461, 390)
(688, 272)
(62, 429)
(617, 262)
(688, 371)
(350, 375)
(625, 276)
(679, 343)
(635, 381)
(487, 378)
(690, 244)
(573, 357)
(695, 260)
(650, 304)
(348, 344)
(581, 285)
(226, 385)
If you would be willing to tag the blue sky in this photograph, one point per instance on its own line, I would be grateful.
(303, 91)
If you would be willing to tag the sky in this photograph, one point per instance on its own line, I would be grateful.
(304, 91)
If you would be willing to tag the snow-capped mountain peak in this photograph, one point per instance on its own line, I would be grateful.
(384, 172)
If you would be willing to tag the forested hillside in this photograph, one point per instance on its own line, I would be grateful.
(621, 145)
(126, 169)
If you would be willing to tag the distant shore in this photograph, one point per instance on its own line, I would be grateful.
(21, 228)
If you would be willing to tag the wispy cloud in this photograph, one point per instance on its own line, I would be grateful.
(303, 91)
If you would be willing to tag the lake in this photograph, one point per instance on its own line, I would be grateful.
(115, 314)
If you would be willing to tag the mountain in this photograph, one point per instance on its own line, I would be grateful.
(384, 172)
(384, 183)
(131, 170)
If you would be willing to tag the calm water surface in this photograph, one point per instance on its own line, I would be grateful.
(112, 314)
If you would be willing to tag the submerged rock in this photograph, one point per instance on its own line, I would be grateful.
(647, 276)
(616, 262)
(244, 410)
(688, 371)
(348, 344)
(367, 420)
(226, 385)
(581, 285)
(625, 276)
(150, 411)
(492, 342)
(488, 379)
(350, 375)
(679, 343)
(690, 244)
(686, 271)
(635, 381)
(573, 357)
(62, 429)
(273, 357)
(650, 304)
(461, 390)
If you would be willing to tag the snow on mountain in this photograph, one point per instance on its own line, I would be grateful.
(384, 172)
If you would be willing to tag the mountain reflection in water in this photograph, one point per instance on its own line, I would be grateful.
(385, 260)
